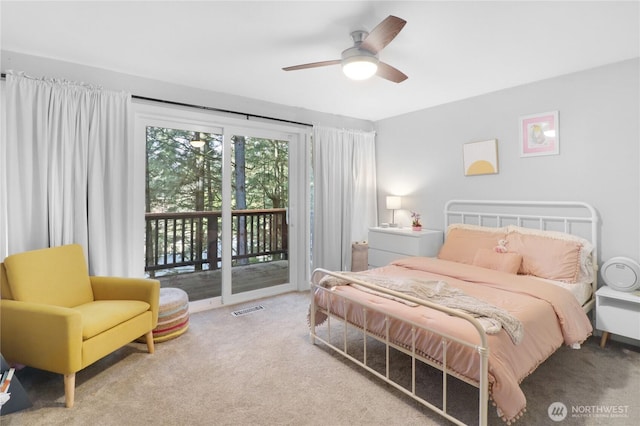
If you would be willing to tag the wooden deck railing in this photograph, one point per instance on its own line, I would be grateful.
(193, 239)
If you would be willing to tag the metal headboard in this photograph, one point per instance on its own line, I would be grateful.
(572, 217)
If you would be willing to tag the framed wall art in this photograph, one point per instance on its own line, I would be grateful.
(480, 158)
(539, 134)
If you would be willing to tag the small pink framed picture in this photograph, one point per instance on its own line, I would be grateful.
(539, 134)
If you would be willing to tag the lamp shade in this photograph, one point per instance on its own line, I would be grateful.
(393, 202)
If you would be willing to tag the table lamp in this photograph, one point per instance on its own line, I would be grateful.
(393, 204)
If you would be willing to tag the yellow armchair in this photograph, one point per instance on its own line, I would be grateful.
(55, 317)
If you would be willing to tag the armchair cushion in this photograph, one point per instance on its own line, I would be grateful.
(52, 276)
(118, 288)
(102, 315)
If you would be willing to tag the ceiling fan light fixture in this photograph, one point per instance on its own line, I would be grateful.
(360, 67)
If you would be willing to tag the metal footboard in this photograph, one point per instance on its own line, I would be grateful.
(389, 343)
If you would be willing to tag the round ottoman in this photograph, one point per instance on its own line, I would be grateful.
(173, 314)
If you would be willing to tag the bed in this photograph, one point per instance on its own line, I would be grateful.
(512, 283)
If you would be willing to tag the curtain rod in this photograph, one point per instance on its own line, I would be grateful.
(207, 108)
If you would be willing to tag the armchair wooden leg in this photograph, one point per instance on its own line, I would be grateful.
(69, 389)
(149, 337)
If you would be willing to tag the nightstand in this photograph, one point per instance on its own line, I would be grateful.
(389, 244)
(617, 312)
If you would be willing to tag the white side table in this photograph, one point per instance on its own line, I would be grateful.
(617, 312)
(389, 244)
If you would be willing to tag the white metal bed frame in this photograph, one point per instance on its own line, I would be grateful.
(481, 213)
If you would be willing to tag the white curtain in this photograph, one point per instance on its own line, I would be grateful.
(66, 172)
(345, 204)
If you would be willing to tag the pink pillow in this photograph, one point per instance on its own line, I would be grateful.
(464, 241)
(505, 262)
(544, 257)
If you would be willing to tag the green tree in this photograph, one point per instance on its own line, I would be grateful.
(182, 178)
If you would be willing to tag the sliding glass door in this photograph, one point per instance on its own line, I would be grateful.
(259, 232)
(183, 215)
(219, 208)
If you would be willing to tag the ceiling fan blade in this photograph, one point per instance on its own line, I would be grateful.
(382, 34)
(313, 65)
(390, 73)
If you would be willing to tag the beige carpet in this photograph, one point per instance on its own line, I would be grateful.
(261, 369)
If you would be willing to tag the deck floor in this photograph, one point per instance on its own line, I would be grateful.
(207, 284)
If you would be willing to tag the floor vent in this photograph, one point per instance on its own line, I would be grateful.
(247, 311)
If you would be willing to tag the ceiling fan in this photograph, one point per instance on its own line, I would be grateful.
(361, 61)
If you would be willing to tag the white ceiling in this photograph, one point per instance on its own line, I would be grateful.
(450, 50)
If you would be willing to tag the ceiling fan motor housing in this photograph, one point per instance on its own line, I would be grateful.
(356, 52)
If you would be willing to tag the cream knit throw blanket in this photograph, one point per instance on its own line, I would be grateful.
(491, 317)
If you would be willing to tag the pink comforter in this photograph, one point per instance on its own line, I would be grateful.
(550, 315)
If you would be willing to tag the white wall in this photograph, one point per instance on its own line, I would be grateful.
(420, 154)
(45, 67)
